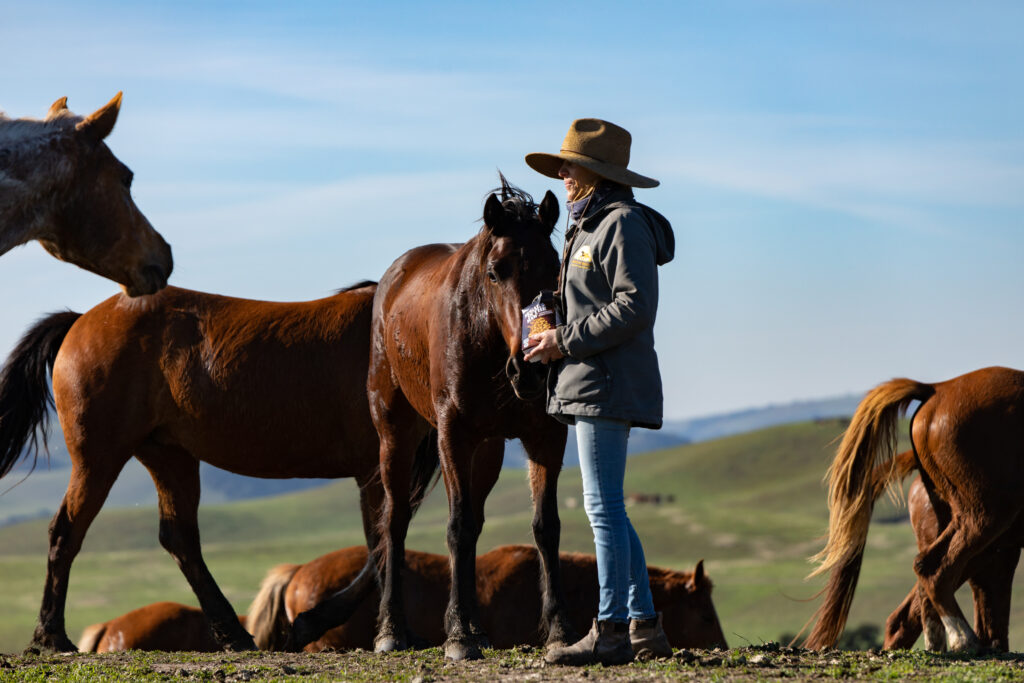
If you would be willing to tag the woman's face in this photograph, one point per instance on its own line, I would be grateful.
(577, 179)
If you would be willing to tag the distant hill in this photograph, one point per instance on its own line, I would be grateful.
(679, 432)
(40, 494)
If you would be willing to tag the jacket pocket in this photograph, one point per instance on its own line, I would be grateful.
(584, 380)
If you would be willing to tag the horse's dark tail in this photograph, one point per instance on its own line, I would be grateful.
(426, 469)
(865, 463)
(337, 609)
(25, 397)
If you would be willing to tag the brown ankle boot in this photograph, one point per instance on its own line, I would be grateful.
(648, 635)
(607, 643)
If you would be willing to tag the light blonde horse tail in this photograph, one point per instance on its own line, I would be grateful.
(863, 466)
(267, 619)
(91, 637)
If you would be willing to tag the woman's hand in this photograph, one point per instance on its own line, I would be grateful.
(542, 347)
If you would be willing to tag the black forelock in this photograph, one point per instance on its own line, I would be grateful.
(514, 200)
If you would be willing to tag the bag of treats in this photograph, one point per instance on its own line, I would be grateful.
(540, 315)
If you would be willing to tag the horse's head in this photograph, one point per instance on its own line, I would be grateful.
(517, 262)
(90, 219)
(689, 617)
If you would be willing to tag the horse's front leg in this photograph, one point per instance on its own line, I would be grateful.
(457, 446)
(545, 449)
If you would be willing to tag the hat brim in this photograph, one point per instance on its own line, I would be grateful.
(548, 164)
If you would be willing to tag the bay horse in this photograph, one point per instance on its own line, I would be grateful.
(263, 389)
(968, 445)
(507, 581)
(61, 185)
(445, 354)
(990, 576)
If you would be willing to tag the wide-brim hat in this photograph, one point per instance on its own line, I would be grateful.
(597, 145)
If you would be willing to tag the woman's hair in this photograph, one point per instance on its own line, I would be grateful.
(587, 183)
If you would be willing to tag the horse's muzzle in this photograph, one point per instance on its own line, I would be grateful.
(527, 379)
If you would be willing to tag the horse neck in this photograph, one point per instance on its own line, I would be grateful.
(31, 175)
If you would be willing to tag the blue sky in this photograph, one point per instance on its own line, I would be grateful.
(845, 179)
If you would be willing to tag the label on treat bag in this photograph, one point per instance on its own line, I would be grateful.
(540, 315)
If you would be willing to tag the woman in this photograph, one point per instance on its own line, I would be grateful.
(606, 379)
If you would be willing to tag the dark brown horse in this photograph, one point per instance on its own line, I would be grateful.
(990, 577)
(60, 184)
(445, 354)
(262, 389)
(968, 439)
(507, 581)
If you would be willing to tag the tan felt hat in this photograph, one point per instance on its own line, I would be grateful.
(597, 145)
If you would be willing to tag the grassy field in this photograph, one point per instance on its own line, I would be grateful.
(752, 506)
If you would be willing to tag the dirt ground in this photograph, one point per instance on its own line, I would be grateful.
(767, 662)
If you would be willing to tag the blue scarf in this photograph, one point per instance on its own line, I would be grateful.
(593, 200)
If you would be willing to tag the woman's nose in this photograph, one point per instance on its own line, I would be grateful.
(563, 170)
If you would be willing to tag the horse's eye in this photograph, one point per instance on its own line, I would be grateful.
(491, 275)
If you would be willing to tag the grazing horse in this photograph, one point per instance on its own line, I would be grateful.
(507, 580)
(968, 445)
(990, 576)
(446, 354)
(60, 184)
(263, 389)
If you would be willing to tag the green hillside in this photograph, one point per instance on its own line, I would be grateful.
(753, 506)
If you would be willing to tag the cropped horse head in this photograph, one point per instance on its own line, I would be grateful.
(61, 185)
(517, 262)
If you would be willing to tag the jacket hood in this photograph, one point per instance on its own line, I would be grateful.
(664, 237)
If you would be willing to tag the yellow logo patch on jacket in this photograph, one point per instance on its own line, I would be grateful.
(582, 258)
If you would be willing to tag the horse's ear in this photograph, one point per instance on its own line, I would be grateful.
(57, 108)
(99, 124)
(698, 572)
(494, 214)
(549, 211)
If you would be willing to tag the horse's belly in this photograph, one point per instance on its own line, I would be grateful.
(282, 450)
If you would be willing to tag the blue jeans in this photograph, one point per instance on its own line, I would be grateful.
(621, 568)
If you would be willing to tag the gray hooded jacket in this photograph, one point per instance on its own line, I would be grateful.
(608, 294)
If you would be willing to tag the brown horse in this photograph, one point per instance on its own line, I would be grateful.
(968, 439)
(990, 577)
(183, 376)
(446, 354)
(60, 184)
(510, 606)
(166, 626)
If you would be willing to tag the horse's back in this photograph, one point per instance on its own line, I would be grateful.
(219, 376)
(167, 626)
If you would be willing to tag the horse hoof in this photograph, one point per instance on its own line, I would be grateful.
(50, 642)
(303, 633)
(561, 636)
(459, 650)
(389, 643)
(241, 644)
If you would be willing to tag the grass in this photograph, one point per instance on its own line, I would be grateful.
(752, 506)
(769, 662)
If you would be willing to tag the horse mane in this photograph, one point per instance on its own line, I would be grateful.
(358, 285)
(15, 132)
